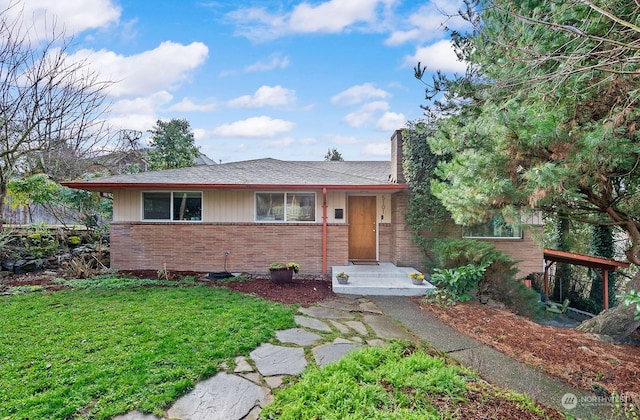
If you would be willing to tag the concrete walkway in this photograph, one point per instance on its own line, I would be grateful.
(492, 365)
(329, 330)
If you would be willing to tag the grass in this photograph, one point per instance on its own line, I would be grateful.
(398, 381)
(109, 348)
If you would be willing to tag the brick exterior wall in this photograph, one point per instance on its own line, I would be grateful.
(253, 246)
(201, 246)
(402, 251)
(526, 251)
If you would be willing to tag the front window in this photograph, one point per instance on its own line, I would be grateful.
(286, 207)
(496, 228)
(177, 205)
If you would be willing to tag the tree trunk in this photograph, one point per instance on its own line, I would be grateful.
(617, 322)
(3, 194)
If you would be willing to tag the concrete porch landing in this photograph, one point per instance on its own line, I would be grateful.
(384, 279)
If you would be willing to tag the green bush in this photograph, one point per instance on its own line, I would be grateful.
(499, 281)
(451, 253)
(74, 240)
(459, 281)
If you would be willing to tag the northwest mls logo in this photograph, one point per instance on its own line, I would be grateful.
(569, 401)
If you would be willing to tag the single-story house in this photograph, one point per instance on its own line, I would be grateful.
(242, 216)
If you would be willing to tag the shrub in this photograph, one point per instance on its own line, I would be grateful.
(459, 281)
(451, 253)
(499, 281)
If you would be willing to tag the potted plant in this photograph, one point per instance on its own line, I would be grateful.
(342, 277)
(283, 272)
(416, 278)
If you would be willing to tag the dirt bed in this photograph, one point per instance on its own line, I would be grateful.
(583, 360)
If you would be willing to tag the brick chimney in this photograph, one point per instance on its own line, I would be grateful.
(397, 175)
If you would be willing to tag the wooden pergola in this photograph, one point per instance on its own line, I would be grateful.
(552, 256)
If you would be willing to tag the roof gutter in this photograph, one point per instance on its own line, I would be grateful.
(111, 186)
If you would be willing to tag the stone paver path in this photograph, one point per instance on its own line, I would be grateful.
(329, 330)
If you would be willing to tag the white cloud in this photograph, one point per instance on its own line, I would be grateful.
(358, 94)
(344, 140)
(428, 23)
(333, 16)
(390, 121)
(265, 96)
(139, 113)
(365, 114)
(262, 126)
(376, 149)
(438, 56)
(188, 105)
(72, 16)
(275, 62)
(283, 142)
(140, 74)
(308, 140)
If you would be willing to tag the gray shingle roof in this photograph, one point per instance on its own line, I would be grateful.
(260, 172)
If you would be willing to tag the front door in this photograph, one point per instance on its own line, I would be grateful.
(362, 227)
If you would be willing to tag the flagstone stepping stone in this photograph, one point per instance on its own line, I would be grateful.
(277, 360)
(343, 303)
(314, 324)
(376, 342)
(385, 328)
(242, 365)
(274, 381)
(224, 397)
(358, 327)
(371, 307)
(330, 352)
(297, 336)
(325, 313)
(341, 327)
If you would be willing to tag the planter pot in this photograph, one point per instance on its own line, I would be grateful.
(342, 280)
(417, 282)
(281, 275)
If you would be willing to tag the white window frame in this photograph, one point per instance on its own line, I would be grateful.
(285, 217)
(171, 198)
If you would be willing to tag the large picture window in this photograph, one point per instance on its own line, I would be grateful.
(496, 228)
(285, 207)
(176, 205)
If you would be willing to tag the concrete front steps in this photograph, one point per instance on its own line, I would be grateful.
(384, 279)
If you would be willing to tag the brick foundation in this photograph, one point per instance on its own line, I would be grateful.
(202, 246)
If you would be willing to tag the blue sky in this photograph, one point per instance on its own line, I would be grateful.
(282, 79)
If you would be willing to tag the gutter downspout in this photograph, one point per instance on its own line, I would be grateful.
(324, 231)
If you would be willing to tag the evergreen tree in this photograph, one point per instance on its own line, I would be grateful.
(545, 118)
(602, 246)
(172, 145)
(333, 154)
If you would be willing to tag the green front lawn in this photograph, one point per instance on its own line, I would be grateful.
(98, 353)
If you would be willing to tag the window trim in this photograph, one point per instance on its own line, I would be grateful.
(520, 232)
(170, 219)
(284, 218)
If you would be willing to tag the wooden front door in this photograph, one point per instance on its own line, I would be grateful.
(362, 227)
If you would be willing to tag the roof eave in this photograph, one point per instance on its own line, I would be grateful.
(111, 186)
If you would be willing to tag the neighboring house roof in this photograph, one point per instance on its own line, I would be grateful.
(116, 161)
(256, 174)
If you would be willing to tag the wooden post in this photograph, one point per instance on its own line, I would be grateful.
(605, 288)
(547, 266)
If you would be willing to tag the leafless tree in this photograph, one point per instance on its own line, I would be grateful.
(51, 107)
